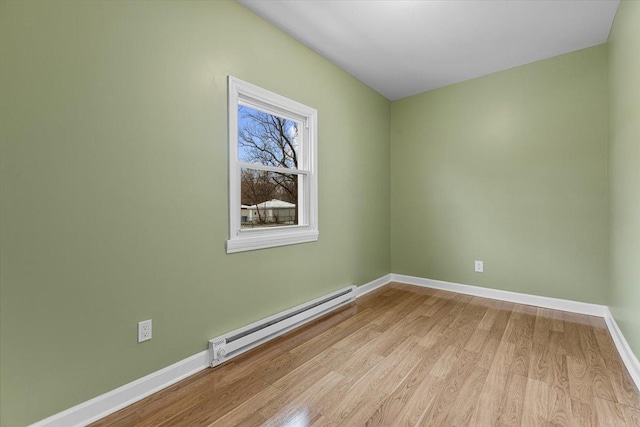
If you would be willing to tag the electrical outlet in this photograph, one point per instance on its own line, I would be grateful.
(144, 330)
(479, 266)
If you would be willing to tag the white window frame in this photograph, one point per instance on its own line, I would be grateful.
(243, 93)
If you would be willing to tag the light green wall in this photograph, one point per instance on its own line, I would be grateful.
(114, 190)
(511, 169)
(624, 167)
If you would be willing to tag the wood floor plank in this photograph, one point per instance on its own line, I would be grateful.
(488, 408)
(542, 326)
(583, 414)
(433, 336)
(519, 331)
(406, 356)
(499, 326)
(599, 376)
(416, 407)
(285, 389)
(609, 413)
(464, 406)
(535, 411)
(391, 389)
(488, 319)
(251, 420)
(632, 415)
(477, 340)
(442, 319)
(439, 410)
(359, 338)
(579, 378)
(513, 405)
(557, 321)
(393, 405)
(557, 343)
(540, 363)
(202, 412)
(257, 367)
(358, 364)
(240, 414)
(392, 315)
(488, 353)
(522, 358)
(572, 343)
(624, 388)
(418, 326)
(560, 412)
(520, 326)
(388, 341)
(239, 419)
(434, 305)
(601, 379)
(371, 381)
(466, 324)
(314, 345)
(284, 408)
(300, 376)
(323, 421)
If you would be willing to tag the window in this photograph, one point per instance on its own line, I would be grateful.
(273, 190)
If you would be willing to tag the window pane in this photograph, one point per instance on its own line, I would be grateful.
(269, 199)
(267, 139)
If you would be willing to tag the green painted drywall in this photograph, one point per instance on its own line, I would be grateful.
(624, 170)
(510, 169)
(114, 190)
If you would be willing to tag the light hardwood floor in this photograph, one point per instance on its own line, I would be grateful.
(405, 356)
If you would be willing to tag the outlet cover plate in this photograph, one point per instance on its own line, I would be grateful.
(479, 266)
(144, 330)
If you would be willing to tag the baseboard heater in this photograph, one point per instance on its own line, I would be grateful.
(237, 342)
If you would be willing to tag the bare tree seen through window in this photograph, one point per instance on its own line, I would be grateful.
(266, 139)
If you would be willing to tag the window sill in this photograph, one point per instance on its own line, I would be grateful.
(250, 243)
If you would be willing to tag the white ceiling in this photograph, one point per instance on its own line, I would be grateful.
(401, 48)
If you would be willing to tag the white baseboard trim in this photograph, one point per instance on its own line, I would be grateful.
(373, 285)
(110, 402)
(628, 357)
(536, 300)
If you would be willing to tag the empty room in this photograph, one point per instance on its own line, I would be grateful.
(319, 213)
